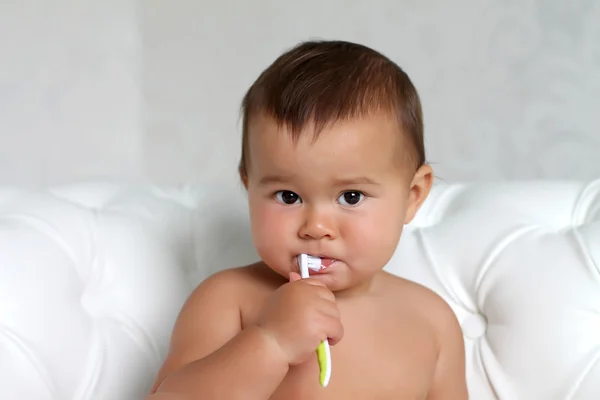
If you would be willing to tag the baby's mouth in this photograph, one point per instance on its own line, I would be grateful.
(327, 262)
(316, 267)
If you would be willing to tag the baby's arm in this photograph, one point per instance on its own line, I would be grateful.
(211, 357)
(449, 379)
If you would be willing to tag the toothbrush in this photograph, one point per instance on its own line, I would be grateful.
(307, 262)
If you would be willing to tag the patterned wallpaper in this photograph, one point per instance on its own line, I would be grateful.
(511, 89)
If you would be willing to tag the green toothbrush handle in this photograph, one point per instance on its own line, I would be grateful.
(324, 359)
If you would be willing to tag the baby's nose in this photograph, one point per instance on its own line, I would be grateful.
(318, 225)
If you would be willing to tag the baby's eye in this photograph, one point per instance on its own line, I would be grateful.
(287, 197)
(351, 198)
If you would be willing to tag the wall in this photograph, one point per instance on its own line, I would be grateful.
(69, 90)
(511, 89)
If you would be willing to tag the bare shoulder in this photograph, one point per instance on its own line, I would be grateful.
(423, 300)
(229, 282)
(210, 317)
(449, 379)
(223, 291)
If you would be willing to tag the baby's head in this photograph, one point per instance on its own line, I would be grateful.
(333, 160)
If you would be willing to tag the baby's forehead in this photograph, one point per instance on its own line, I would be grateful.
(370, 143)
(380, 127)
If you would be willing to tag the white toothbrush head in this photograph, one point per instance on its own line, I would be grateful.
(314, 263)
(306, 262)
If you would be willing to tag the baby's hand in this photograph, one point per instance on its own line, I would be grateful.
(299, 316)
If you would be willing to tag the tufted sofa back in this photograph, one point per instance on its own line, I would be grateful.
(94, 273)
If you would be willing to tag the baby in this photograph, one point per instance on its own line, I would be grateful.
(334, 165)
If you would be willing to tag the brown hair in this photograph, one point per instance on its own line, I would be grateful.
(321, 82)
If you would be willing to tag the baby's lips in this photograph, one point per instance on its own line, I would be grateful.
(326, 262)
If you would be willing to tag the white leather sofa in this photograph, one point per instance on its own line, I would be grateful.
(92, 276)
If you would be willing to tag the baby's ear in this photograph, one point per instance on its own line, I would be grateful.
(419, 190)
(243, 176)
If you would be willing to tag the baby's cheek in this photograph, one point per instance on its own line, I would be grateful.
(377, 236)
(268, 229)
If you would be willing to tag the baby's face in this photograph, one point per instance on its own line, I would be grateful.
(343, 197)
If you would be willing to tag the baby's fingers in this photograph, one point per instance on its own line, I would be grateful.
(335, 331)
(314, 282)
(294, 276)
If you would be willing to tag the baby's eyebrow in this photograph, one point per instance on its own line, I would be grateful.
(360, 180)
(271, 179)
(279, 179)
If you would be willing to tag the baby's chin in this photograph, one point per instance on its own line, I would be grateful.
(348, 287)
(343, 279)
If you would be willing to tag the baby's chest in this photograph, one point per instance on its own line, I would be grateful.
(383, 366)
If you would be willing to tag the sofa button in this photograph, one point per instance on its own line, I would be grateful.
(474, 326)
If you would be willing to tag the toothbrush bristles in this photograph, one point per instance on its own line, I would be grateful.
(306, 262)
(314, 263)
